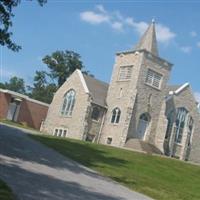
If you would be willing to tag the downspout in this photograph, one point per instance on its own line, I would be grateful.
(101, 127)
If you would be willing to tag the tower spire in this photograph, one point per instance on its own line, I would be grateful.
(148, 40)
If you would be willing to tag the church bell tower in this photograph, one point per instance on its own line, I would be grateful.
(136, 92)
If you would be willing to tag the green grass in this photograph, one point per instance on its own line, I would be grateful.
(20, 125)
(5, 192)
(155, 176)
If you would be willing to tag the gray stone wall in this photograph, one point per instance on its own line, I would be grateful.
(149, 99)
(118, 132)
(186, 99)
(161, 128)
(77, 123)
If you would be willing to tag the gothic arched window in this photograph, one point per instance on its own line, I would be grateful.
(115, 116)
(180, 123)
(68, 103)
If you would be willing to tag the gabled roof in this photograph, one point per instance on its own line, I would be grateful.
(176, 89)
(97, 89)
(148, 40)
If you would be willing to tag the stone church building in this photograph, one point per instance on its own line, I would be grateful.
(137, 110)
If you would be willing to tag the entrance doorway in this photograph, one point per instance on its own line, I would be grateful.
(13, 110)
(143, 125)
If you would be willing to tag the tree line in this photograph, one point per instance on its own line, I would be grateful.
(61, 64)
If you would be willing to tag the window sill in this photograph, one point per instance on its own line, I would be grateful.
(178, 144)
(125, 80)
(66, 116)
(153, 86)
(114, 124)
(95, 121)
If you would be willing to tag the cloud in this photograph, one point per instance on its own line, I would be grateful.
(193, 33)
(118, 22)
(198, 44)
(117, 26)
(164, 34)
(94, 18)
(101, 8)
(197, 96)
(186, 49)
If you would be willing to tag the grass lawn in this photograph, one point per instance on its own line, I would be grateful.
(5, 192)
(157, 177)
(16, 124)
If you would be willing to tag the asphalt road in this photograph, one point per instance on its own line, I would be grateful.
(35, 172)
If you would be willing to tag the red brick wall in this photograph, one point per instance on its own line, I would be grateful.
(32, 113)
(4, 103)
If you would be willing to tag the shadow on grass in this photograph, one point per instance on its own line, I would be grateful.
(83, 152)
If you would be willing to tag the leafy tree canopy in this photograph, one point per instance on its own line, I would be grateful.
(42, 90)
(6, 14)
(16, 84)
(2, 86)
(62, 64)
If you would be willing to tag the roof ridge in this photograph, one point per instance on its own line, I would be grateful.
(96, 79)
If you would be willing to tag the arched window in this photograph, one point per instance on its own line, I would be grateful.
(68, 103)
(115, 116)
(180, 124)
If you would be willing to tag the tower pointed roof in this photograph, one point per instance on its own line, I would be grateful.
(148, 40)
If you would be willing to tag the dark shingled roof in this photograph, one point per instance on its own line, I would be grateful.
(98, 90)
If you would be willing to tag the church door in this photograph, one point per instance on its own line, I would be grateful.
(13, 110)
(142, 126)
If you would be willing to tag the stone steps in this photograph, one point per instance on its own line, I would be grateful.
(142, 146)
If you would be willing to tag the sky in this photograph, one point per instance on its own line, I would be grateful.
(97, 30)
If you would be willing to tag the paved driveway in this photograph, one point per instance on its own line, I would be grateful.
(35, 172)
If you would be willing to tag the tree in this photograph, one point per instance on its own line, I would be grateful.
(16, 84)
(2, 86)
(42, 90)
(62, 64)
(6, 14)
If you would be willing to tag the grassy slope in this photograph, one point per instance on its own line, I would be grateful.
(16, 124)
(5, 192)
(157, 177)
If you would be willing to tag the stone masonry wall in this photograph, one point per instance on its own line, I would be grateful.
(186, 99)
(149, 99)
(125, 102)
(77, 123)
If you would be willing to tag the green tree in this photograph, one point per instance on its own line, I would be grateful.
(62, 64)
(16, 84)
(6, 14)
(42, 90)
(2, 86)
